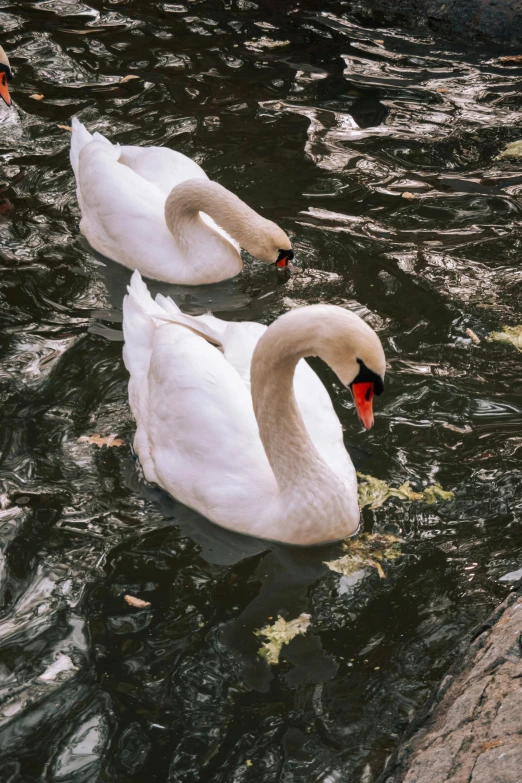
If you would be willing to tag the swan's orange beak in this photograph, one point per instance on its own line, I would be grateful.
(363, 397)
(4, 92)
(284, 258)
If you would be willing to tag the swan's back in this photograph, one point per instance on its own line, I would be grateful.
(161, 166)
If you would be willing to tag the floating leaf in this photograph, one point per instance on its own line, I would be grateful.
(473, 336)
(366, 551)
(137, 602)
(280, 633)
(435, 493)
(374, 492)
(128, 78)
(511, 58)
(513, 150)
(102, 440)
(510, 334)
(65, 127)
(36, 97)
(407, 194)
(442, 89)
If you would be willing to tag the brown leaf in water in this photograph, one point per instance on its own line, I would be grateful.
(136, 602)
(102, 440)
(442, 89)
(473, 336)
(128, 78)
(36, 97)
(511, 58)
(65, 127)
(407, 194)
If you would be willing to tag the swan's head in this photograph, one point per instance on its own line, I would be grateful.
(5, 76)
(351, 348)
(270, 244)
(357, 357)
(339, 337)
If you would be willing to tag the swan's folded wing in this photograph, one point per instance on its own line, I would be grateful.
(202, 433)
(120, 210)
(161, 166)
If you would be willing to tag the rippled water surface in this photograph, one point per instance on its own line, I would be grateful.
(376, 152)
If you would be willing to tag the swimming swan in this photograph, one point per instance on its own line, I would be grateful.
(234, 423)
(155, 210)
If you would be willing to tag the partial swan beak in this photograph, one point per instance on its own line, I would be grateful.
(362, 397)
(284, 258)
(4, 92)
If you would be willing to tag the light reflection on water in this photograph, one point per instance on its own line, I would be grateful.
(376, 151)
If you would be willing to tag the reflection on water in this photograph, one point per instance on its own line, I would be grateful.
(376, 152)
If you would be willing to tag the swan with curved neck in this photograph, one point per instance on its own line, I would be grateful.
(5, 76)
(155, 210)
(233, 422)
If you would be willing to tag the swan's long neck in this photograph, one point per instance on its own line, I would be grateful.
(311, 492)
(193, 196)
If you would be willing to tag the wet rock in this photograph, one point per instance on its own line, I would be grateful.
(471, 731)
(499, 20)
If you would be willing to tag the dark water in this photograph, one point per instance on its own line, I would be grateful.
(322, 134)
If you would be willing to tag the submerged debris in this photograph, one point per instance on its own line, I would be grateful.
(374, 492)
(281, 632)
(509, 334)
(367, 550)
(513, 150)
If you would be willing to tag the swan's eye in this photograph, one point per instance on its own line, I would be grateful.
(369, 376)
(284, 257)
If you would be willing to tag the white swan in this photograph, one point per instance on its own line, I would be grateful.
(155, 210)
(5, 76)
(197, 386)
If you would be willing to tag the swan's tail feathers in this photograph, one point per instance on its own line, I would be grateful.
(167, 304)
(79, 138)
(164, 311)
(138, 328)
(99, 137)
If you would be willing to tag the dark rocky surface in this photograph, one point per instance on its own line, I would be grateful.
(497, 20)
(472, 730)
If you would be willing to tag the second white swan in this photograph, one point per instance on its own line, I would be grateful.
(155, 210)
(234, 423)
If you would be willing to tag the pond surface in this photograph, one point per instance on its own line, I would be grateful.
(375, 150)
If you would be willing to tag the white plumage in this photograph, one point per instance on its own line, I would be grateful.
(281, 472)
(155, 210)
